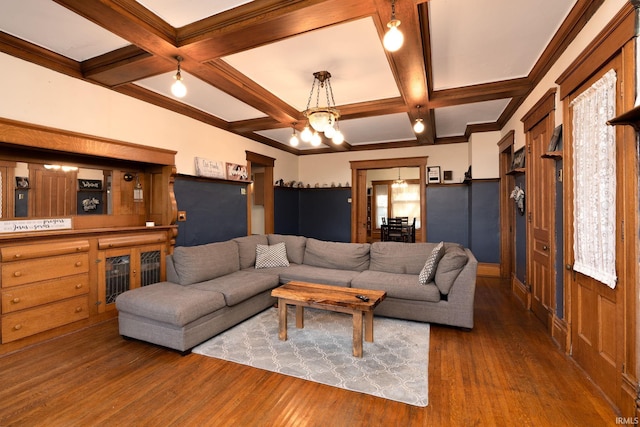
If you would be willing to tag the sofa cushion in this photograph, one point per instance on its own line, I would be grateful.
(321, 275)
(295, 246)
(239, 286)
(450, 266)
(342, 256)
(429, 270)
(397, 257)
(271, 256)
(400, 286)
(204, 262)
(247, 248)
(170, 303)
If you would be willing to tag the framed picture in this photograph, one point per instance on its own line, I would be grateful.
(237, 172)
(210, 168)
(22, 183)
(556, 140)
(518, 159)
(433, 174)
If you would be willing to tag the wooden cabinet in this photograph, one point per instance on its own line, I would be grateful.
(129, 262)
(44, 286)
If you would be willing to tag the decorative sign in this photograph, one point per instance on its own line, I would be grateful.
(210, 168)
(90, 184)
(237, 172)
(24, 225)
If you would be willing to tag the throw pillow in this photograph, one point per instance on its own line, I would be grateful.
(429, 270)
(271, 256)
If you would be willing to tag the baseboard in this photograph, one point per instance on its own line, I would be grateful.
(521, 292)
(560, 334)
(486, 269)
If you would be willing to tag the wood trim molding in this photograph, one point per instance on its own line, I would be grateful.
(42, 137)
(540, 110)
(611, 39)
(487, 269)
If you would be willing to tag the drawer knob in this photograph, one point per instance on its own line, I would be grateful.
(79, 285)
(17, 327)
(78, 309)
(15, 300)
(78, 264)
(17, 256)
(17, 274)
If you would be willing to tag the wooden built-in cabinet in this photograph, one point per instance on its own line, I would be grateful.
(58, 280)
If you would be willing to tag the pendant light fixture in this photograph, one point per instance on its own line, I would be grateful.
(399, 183)
(418, 126)
(322, 119)
(293, 141)
(394, 38)
(178, 89)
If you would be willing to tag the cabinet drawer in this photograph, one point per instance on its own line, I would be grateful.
(27, 296)
(35, 270)
(134, 240)
(16, 253)
(29, 322)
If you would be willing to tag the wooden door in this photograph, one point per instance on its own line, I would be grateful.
(540, 221)
(597, 311)
(56, 192)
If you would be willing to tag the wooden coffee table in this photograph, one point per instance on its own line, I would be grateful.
(332, 298)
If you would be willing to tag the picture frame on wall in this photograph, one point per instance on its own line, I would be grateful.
(517, 162)
(555, 144)
(236, 172)
(22, 183)
(210, 168)
(433, 174)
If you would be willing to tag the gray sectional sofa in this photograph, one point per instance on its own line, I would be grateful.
(213, 287)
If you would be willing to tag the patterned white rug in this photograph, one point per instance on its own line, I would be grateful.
(394, 367)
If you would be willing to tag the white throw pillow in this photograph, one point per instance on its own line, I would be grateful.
(271, 256)
(429, 270)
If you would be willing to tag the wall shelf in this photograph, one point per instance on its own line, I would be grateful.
(552, 155)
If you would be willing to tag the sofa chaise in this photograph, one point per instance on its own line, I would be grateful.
(215, 286)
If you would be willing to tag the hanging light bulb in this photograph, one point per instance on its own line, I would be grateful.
(418, 126)
(294, 139)
(316, 140)
(394, 38)
(178, 89)
(338, 137)
(306, 134)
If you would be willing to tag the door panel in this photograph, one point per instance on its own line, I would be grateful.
(541, 173)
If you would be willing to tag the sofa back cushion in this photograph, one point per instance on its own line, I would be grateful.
(450, 266)
(341, 256)
(397, 257)
(195, 264)
(295, 245)
(247, 248)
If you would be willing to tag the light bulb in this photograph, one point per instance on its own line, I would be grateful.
(294, 140)
(418, 126)
(394, 38)
(178, 89)
(315, 139)
(306, 134)
(338, 138)
(329, 131)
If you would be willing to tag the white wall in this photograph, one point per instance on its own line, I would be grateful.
(484, 155)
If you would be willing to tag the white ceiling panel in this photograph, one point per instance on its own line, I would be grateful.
(183, 12)
(202, 96)
(452, 121)
(351, 52)
(51, 26)
(491, 40)
(377, 129)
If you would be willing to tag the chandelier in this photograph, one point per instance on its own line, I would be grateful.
(399, 183)
(322, 119)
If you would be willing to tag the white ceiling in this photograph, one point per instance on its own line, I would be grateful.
(471, 43)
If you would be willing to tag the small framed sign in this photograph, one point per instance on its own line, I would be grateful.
(237, 172)
(433, 174)
(210, 168)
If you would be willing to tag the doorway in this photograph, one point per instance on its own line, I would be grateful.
(360, 215)
(260, 194)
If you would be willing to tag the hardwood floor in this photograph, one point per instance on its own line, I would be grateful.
(506, 372)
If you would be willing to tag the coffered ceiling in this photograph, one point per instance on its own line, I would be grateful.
(248, 65)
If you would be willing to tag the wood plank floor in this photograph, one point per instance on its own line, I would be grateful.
(506, 372)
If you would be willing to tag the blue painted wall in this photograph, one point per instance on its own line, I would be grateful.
(216, 210)
(521, 235)
(448, 213)
(484, 220)
(286, 210)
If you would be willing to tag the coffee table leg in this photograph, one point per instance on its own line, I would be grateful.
(299, 316)
(368, 326)
(357, 334)
(282, 320)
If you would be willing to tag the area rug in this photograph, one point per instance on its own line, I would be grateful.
(394, 366)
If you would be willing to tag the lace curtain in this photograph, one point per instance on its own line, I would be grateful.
(594, 181)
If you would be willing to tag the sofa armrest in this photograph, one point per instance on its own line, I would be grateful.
(462, 294)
